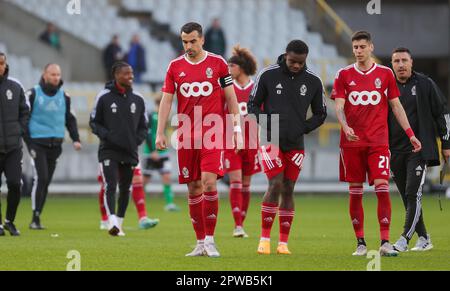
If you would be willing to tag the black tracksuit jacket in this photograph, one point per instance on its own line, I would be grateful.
(14, 114)
(120, 122)
(278, 91)
(433, 118)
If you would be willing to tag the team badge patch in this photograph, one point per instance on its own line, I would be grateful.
(133, 108)
(209, 73)
(378, 83)
(185, 172)
(303, 90)
(9, 94)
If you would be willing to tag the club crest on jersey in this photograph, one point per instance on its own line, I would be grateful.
(9, 94)
(378, 83)
(413, 90)
(209, 73)
(133, 108)
(303, 90)
(185, 173)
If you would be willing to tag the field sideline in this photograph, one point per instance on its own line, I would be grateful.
(322, 238)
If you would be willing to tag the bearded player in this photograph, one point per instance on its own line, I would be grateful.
(198, 78)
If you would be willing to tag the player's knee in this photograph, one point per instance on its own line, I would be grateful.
(235, 177)
(276, 185)
(195, 188)
(380, 182)
(287, 193)
(137, 179)
(166, 179)
(209, 185)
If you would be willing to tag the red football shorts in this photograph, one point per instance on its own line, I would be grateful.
(276, 162)
(245, 160)
(193, 162)
(356, 163)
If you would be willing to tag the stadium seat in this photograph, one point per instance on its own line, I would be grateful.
(98, 22)
(265, 32)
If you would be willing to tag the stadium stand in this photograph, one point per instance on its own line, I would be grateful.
(21, 67)
(96, 25)
(266, 32)
(265, 26)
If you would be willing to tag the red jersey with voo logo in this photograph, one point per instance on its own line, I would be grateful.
(197, 84)
(366, 107)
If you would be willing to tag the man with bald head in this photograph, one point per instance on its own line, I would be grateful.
(50, 115)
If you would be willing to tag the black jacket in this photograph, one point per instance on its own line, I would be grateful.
(71, 121)
(111, 55)
(215, 41)
(433, 118)
(120, 122)
(14, 113)
(278, 91)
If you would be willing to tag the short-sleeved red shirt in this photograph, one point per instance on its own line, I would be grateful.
(366, 107)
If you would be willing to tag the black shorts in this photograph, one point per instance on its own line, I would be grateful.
(162, 166)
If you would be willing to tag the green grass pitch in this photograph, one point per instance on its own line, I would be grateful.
(321, 239)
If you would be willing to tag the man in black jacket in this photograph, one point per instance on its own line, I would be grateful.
(112, 53)
(286, 89)
(428, 114)
(119, 119)
(14, 113)
(50, 114)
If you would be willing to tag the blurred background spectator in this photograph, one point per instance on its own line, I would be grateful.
(51, 36)
(111, 54)
(215, 39)
(136, 58)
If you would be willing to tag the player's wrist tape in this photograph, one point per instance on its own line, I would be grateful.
(226, 81)
(409, 132)
(238, 129)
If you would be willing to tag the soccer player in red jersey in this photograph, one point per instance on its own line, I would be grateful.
(242, 165)
(138, 195)
(198, 78)
(362, 93)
